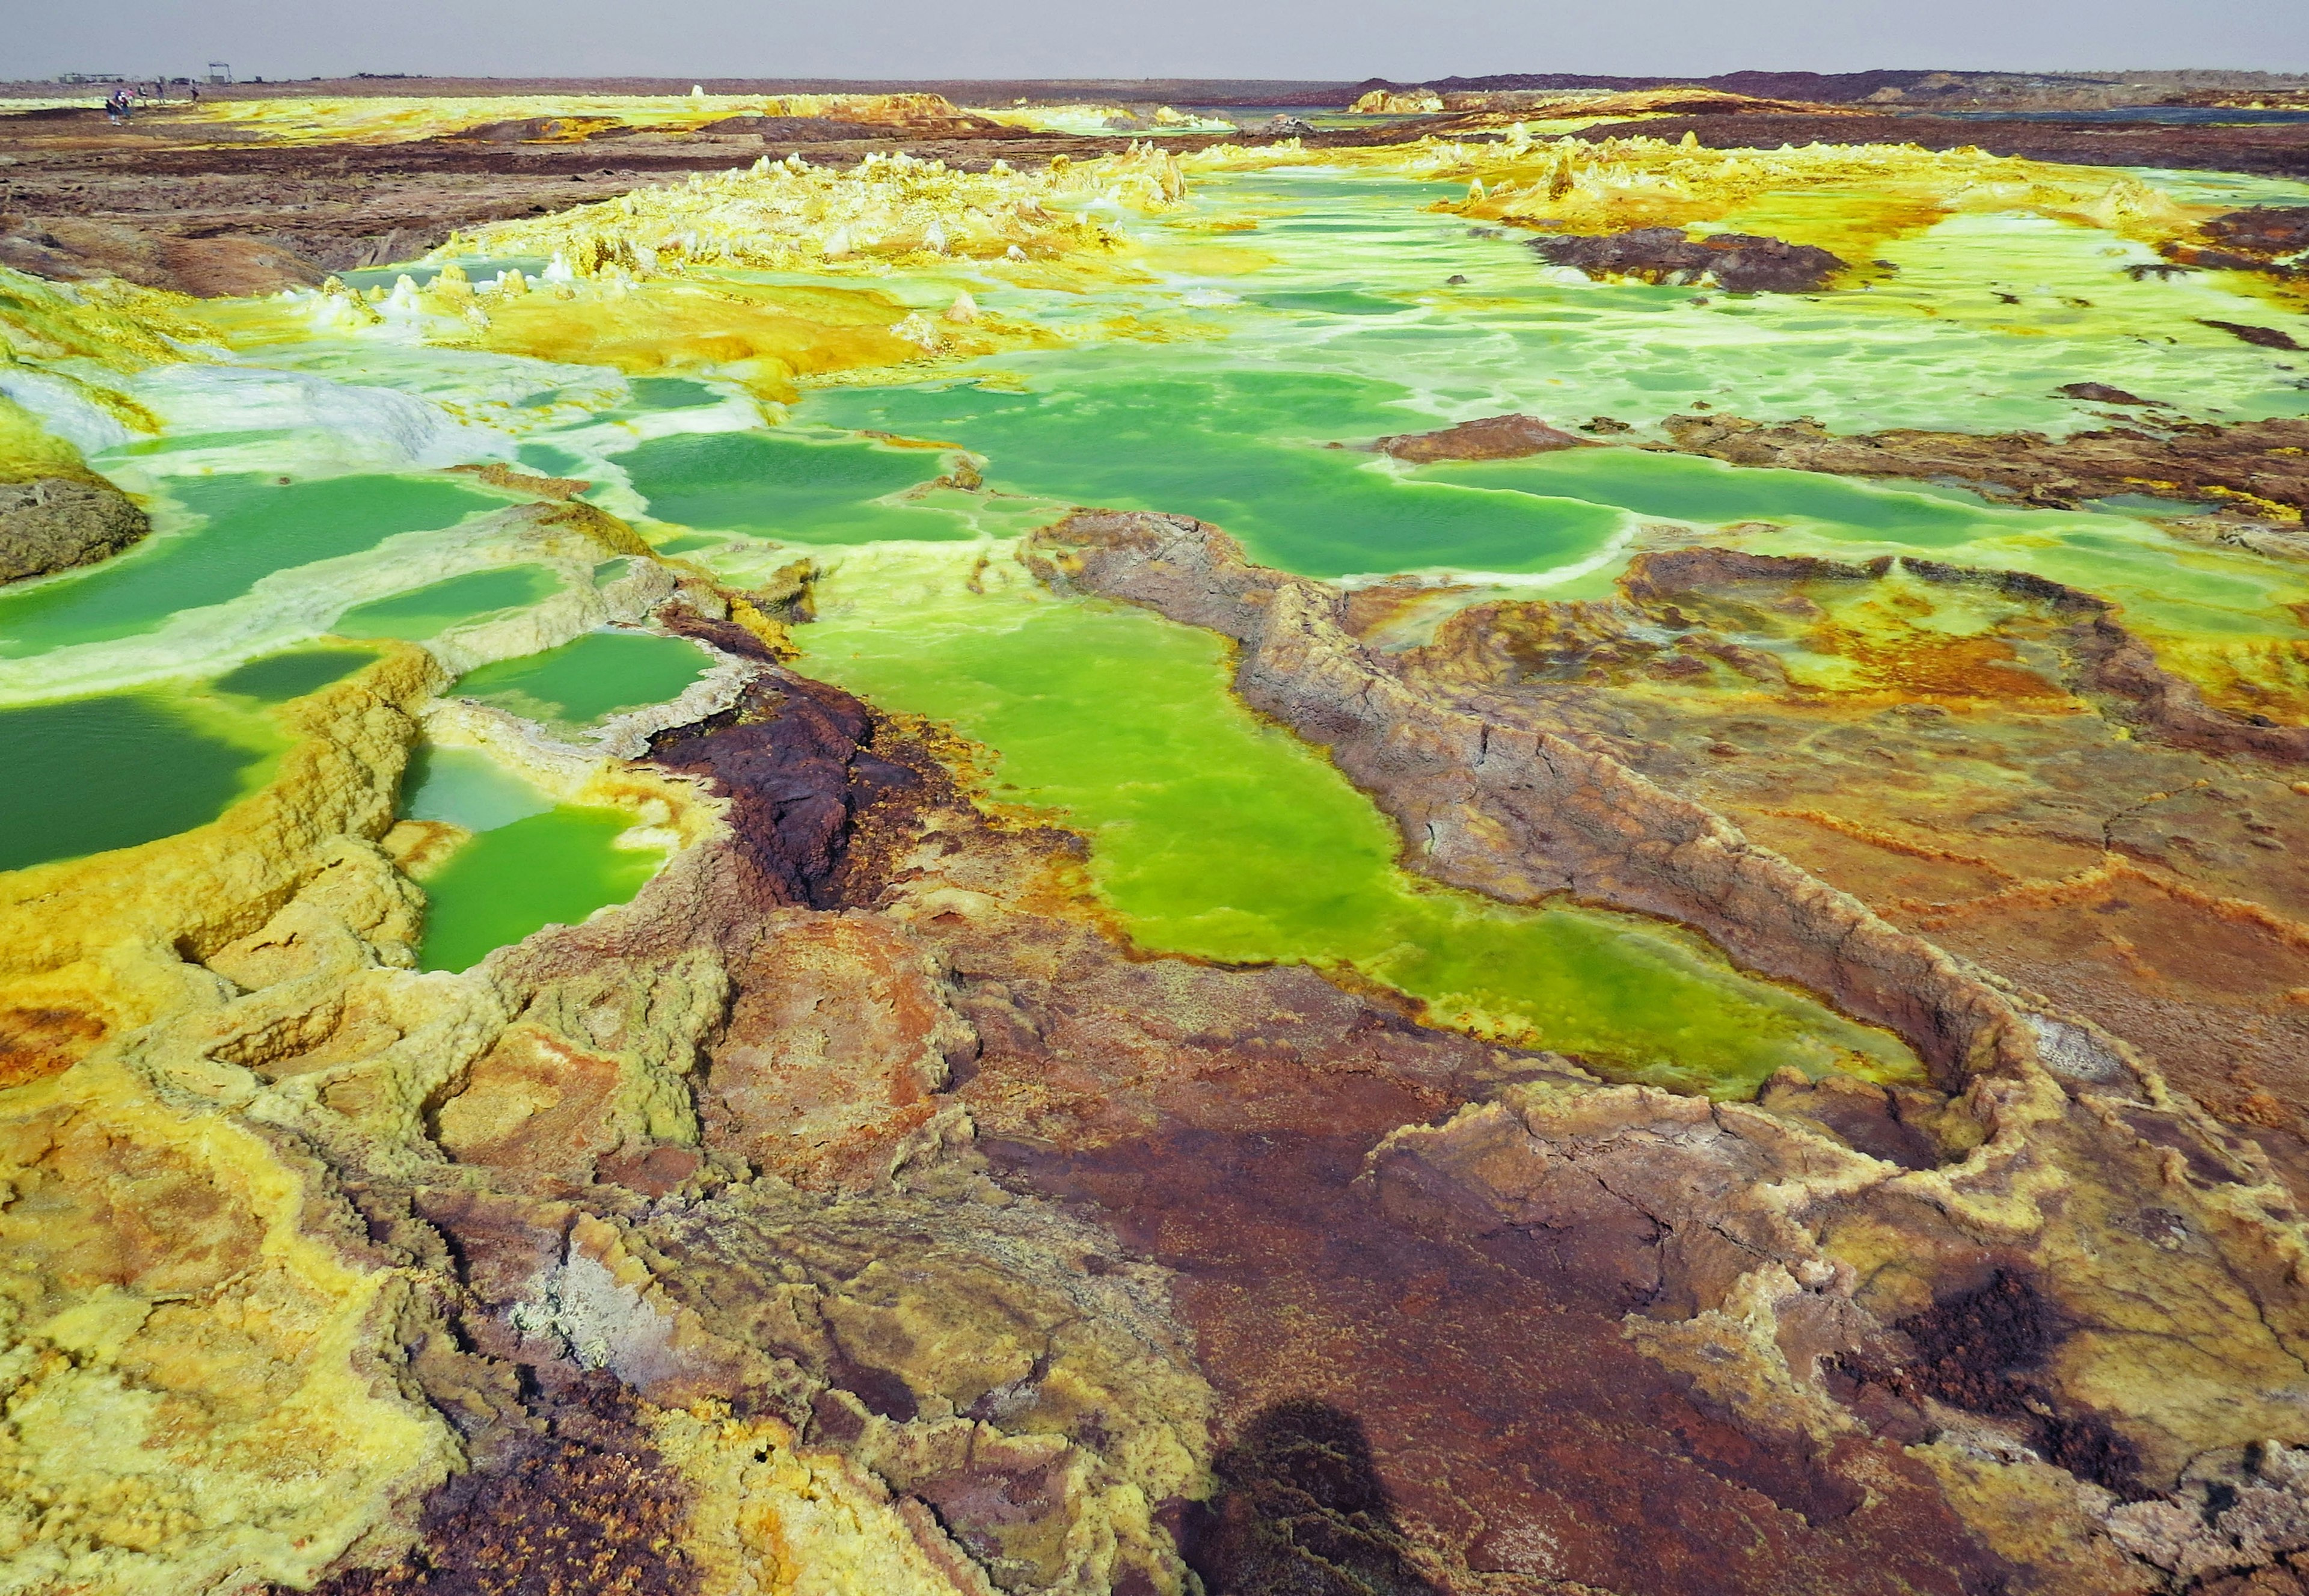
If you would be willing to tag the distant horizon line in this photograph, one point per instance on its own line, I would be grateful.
(64, 80)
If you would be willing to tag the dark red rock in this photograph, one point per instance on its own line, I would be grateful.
(2260, 337)
(1979, 1350)
(2263, 230)
(584, 1508)
(791, 756)
(1741, 262)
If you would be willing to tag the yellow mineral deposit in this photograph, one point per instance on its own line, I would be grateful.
(89, 339)
(889, 210)
(1850, 199)
(668, 278)
(196, 1393)
(553, 119)
(92, 947)
(1387, 102)
(1093, 120)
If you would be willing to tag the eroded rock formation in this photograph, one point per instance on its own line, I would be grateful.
(2253, 469)
(1739, 262)
(1723, 1234)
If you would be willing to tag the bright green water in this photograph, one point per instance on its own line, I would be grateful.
(1686, 488)
(669, 393)
(1218, 836)
(121, 768)
(249, 527)
(532, 863)
(550, 459)
(464, 786)
(1242, 449)
(590, 678)
(788, 487)
(278, 678)
(437, 607)
(2179, 588)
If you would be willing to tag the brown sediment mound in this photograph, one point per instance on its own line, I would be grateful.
(1740, 263)
(2100, 393)
(75, 249)
(496, 474)
(521, 130)
(792, 761)
(2256, 468)
(1509, 437)
(2268, 230)
(52, 524)
(2263, 238)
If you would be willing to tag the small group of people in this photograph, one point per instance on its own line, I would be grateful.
(121, 103)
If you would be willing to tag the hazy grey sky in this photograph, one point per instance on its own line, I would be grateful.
(1303, 39)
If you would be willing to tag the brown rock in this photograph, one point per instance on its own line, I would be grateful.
(1494, 438)
(2100, 393)
(2249, 465)
(2261, 337)
(1741, 263)
(53, 524)
(73, 248)
(833, 1049)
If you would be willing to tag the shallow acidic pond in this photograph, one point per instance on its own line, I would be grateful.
(531, 863)
(1217, 836)
(587, 680)
(121, 768)
(277, 678)
(245, 528)
(439, 605)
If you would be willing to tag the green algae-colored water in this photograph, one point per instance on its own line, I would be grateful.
(550, 869)
(248, 527)
(586, 681)
(1217, 836)
(787, 487)
(464, 786)
(118, 769)
(531, 861)
(1687, 488)
(440, 605)
(277, 678)
(1243, 449)
(1282, 352)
